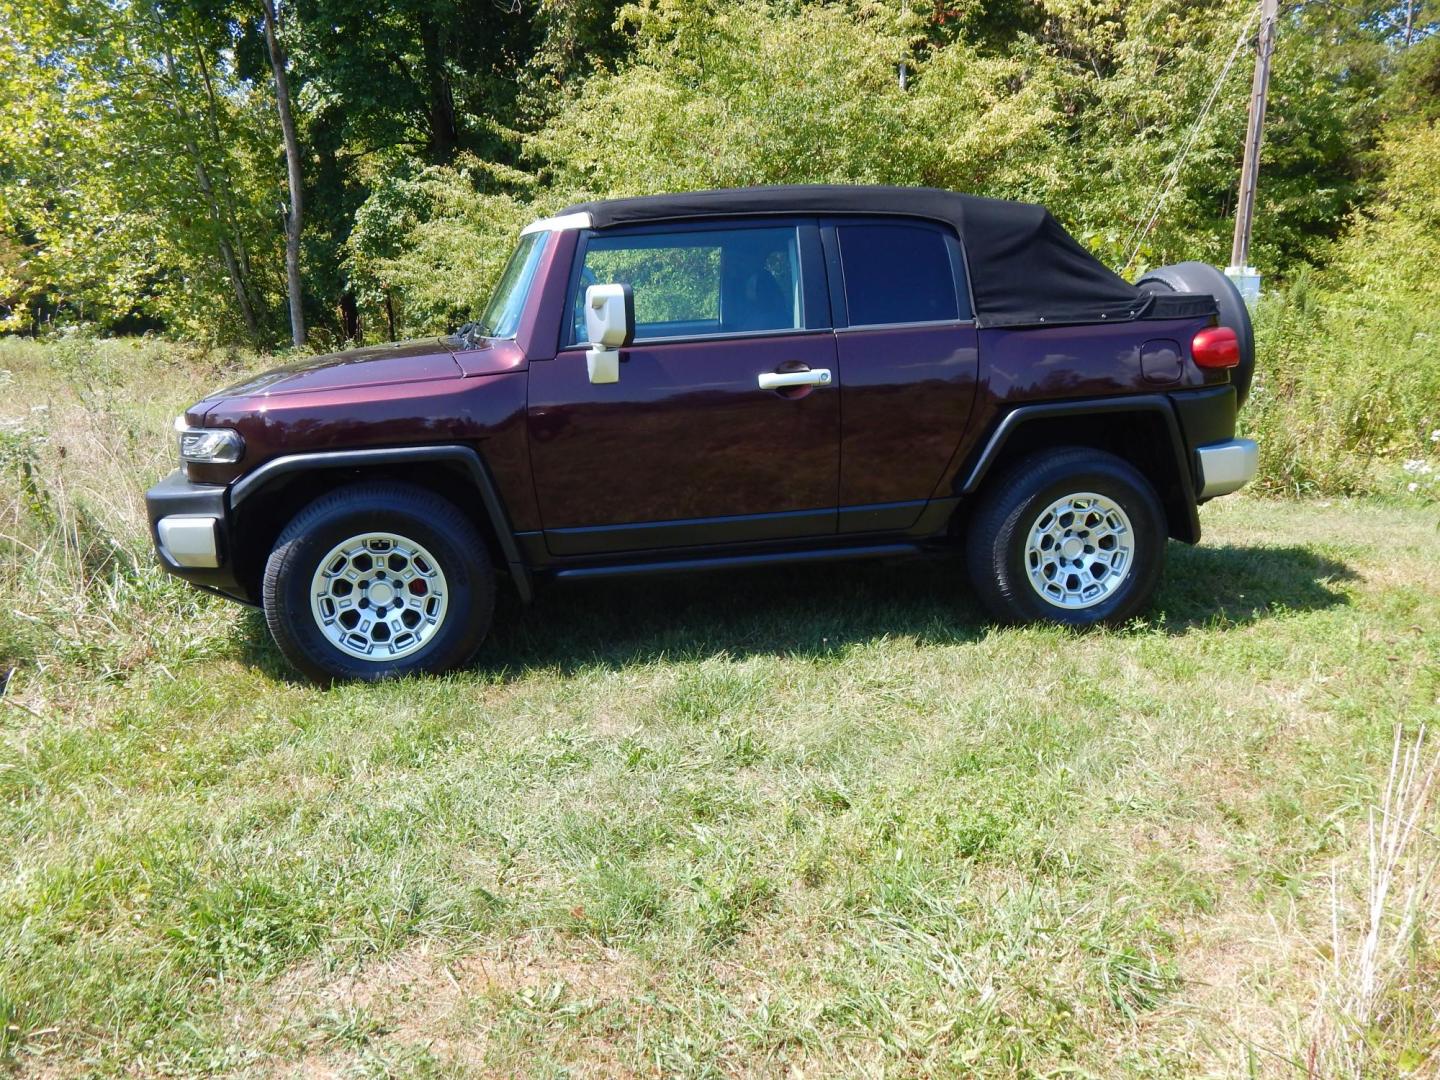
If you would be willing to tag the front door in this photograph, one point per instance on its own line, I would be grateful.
(690, 446)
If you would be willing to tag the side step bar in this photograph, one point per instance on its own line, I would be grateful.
(730, 562)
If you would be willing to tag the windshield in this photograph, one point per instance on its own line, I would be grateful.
(502, 314)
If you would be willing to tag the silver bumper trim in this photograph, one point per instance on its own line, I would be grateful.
(189, 540)
(1226, 467)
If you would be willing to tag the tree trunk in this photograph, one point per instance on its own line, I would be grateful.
(232, 217)
(444, 137)
(349, 317)
(237, 280)
(292, 166)
(207, 189)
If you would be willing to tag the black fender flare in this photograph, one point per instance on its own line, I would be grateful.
(1187, 524)
(466, 457)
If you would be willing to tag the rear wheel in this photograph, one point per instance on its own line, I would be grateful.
(1071, 536)
(376, 581)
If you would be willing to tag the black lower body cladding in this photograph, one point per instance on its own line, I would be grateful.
(1205, 416)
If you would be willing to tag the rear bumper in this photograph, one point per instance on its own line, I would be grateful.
(1223, 467)
(1219, 462)
(190, 528)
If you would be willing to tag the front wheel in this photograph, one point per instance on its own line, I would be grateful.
(378, 580)
(1070, 536)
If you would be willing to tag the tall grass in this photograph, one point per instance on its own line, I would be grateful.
(1347, 390)
(83, 430)
(700, 827)
(1378, 992)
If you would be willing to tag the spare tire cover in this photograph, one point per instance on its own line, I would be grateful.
(1199, 277)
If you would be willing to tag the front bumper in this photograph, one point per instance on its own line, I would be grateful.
(190, 528)
(1223, 467)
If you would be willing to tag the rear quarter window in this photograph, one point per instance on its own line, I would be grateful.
(898, 272)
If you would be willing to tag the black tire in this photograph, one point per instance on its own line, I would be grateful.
(1015, 501)
(418, 517)
(1199, 277)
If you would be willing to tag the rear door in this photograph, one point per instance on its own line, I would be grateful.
(908, 361)
(689, 447)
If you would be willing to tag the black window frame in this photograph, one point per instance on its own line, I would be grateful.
(835, 269)
(815, 314)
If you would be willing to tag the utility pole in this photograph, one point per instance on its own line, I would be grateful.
(1239, 270)
(292, 173)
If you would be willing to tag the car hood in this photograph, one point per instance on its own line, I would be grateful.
(398, 362)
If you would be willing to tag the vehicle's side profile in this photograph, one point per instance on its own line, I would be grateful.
(719, 380)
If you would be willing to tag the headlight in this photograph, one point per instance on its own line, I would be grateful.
(209, 446)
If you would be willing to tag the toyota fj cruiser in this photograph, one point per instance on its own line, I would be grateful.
(717, 380)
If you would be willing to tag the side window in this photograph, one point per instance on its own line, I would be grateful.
(896, 273)
(710, 281)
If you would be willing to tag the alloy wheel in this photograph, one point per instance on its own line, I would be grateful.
(1079, 550)
(378, 596)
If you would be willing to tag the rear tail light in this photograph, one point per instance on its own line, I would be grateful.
(1217, 347)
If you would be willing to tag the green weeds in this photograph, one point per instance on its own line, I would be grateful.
(707, 826)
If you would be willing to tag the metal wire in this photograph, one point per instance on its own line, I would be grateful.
(1172, 174)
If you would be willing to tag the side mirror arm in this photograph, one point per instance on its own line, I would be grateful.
(603, 365)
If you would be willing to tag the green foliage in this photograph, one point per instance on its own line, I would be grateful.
(726, 95)
(134, 162)
(141, 179)
(1350, 366)
(1086, 116)
(426, 249)
(1414, 92)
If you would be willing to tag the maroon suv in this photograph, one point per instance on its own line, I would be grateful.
(726, 379)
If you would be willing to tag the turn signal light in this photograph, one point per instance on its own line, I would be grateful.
(1217, 347)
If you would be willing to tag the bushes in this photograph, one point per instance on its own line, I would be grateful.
(1343, 390)
(754, 92)
(426, 249)
(1349, 377)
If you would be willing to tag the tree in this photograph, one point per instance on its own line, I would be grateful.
(139, 177)
(134, 177)
(294, 220)
(220, 216)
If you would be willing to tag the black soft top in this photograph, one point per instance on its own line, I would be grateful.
(1024, 268)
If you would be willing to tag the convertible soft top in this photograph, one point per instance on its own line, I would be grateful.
(1024, 268)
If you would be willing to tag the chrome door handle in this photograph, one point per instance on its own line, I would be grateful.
(778, 380)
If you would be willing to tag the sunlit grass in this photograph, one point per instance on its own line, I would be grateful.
(827, 818)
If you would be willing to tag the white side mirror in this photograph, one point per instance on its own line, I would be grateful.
(610, 325)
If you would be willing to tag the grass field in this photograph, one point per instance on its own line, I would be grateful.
(819, 821)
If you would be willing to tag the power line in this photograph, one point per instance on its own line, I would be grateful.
(1172, 174)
